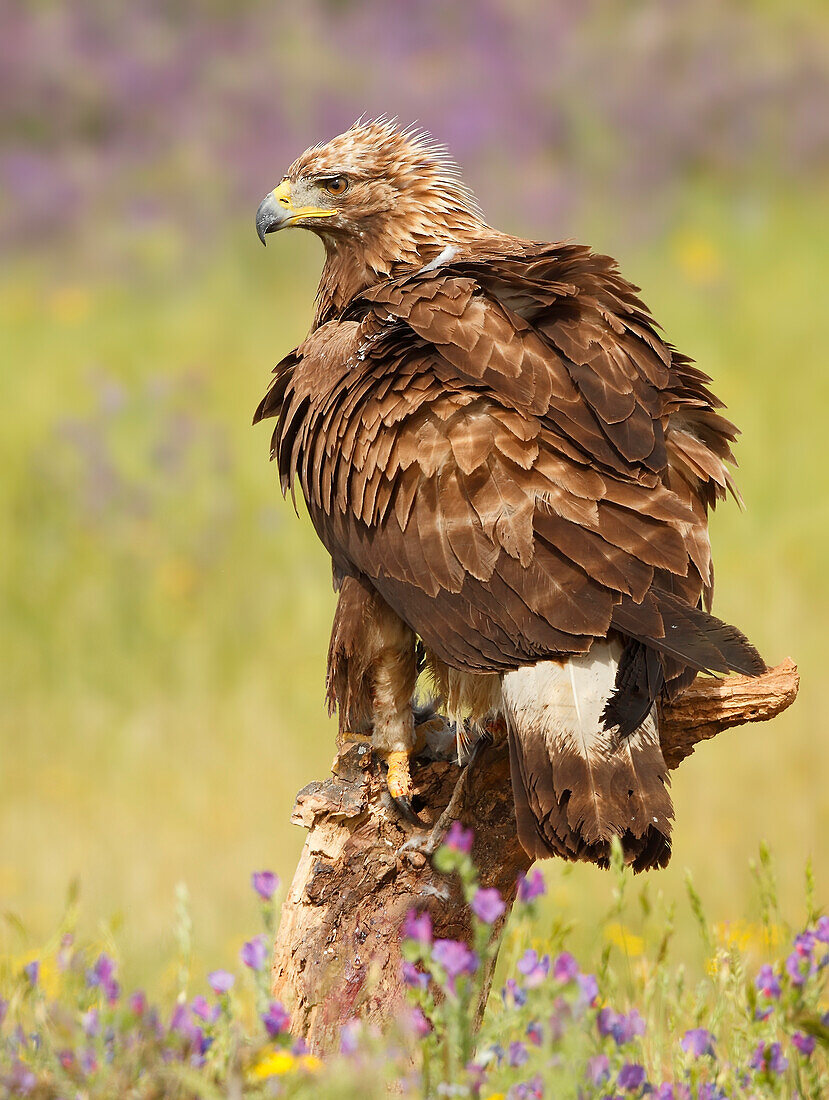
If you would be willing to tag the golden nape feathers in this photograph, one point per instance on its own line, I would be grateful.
(506, 461)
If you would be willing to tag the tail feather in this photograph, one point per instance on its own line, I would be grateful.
(577, 784)
(693, 637)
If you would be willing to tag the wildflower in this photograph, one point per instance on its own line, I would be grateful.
(800, 967)
(89, 1063)
(804, 944)
(265, 883)
(531, 886)
(455, 957)
(769, 1058)
(768, 983)
(534, 969)
(512, 991)
(588, 989)
(709, 1091)
(90, 1023)
(534, 1033)
(822, 930)
(528, 1090)
(204, 1011)
(32, 971)
(412, 977)
(349, 1037)
(254, 953)
(418, 927)
(459, 839)
(804, 1043)
(221, 981)
(137, 1002)
(419, 1024)
(276, 1019)
(622, 1027)
(698, 1041)
(565, 968)
(598, 1069)
(518, 1055)
(102, 976)
(487, 905)
(273, 1063)
(631, 1077)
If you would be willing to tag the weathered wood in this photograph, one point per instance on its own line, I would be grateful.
(336, 953)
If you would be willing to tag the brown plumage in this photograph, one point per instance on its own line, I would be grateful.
(495, 443)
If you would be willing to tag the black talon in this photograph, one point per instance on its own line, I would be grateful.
(404, 806)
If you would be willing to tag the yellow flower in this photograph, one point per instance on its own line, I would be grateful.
(273, 1064)
(697, 257)
(620, 936)
(496, 1096)
(276, 1063)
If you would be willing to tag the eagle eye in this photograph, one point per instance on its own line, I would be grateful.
(336, 185)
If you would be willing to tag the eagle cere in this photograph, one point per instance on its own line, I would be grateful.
(509, 465)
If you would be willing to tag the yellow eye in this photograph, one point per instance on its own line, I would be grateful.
(337, 185)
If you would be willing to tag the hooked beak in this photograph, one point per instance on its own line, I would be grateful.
(277, 211)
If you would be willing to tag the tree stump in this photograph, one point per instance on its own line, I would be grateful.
(336, 953)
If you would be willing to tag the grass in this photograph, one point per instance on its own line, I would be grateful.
(165, 615)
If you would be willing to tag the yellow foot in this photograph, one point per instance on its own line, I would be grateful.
(399, 783)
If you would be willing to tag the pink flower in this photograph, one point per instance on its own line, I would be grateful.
(276, 1019)
(254, 953)
(418, 926)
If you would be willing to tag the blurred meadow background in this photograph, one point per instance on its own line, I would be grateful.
(165, 615)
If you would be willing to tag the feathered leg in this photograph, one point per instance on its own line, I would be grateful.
(372, 671)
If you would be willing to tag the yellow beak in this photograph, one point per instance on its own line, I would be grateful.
(277, 211)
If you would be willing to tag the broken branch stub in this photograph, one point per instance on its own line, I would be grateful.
(337, 954)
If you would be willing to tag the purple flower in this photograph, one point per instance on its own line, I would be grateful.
(512, 991)
(768, 983)
(90, 1023)
(598, 1069)
(534, 1033)
(276, 1019)
(487, 905)
(454, 957)
(418, 927)
(804, 1043)
(412, 977)
(769, 1058)
(698, 1041)
(531, 886)
(565, 968)
(528, 1090)
(419, 1024)
(822, 930)
(588, 989)
(254, 953)
(709, 1091)
(518, 1055)
(265, 883)
(800, 966)
(299, 1047)
(207, 1012)
(631, 1077)
(32, 971)
(534, 969)
(804, 944)
(350, 1037)
(622, 1027)
(102, 976)
(137, 1002)
(459, 839)
(221, 981)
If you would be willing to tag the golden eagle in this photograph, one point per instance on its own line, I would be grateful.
(509, 465)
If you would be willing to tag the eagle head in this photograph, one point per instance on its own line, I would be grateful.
(380, 195)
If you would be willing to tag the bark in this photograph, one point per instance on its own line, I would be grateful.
(336, 954)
